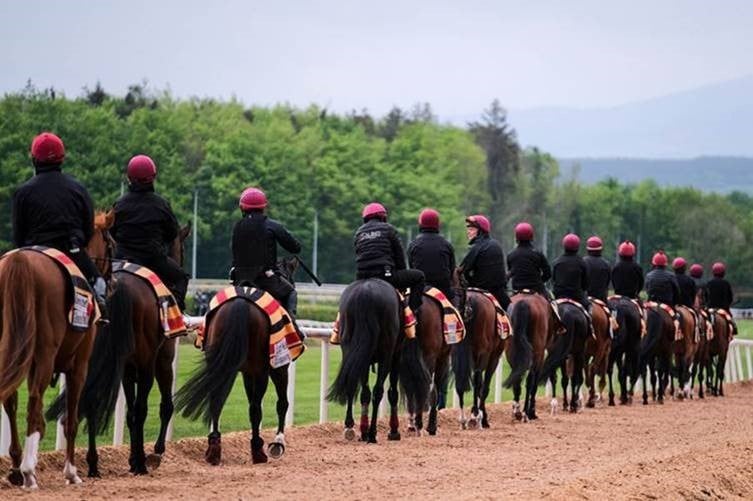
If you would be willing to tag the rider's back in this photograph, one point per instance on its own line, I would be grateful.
(528, 267)
(144, 223)
(627, 278)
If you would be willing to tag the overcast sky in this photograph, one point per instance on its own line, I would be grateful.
(457, 55)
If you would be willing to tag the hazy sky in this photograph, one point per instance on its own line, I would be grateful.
(456, 55)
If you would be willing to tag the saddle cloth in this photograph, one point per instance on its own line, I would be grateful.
(285, 338)
(567, 300)
(452, 321)
(726, 316)
(83, 310)
(669, 311)
(408, 322)
(709, 326)
(611, 315)
(697, 330)
(641, 311)
(170, 315)
(504, 326)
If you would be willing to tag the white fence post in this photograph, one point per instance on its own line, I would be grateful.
(498, 383)
(170, 425)
(291, 394)
(739, 361)
(4, 432)
(455, 398)
(60, 432)
(324, 382)
(119, 421)
(750, 364)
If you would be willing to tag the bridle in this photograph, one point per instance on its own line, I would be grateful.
(107, 260)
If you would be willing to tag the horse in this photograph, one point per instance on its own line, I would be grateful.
(475, 357)
(701, 360)
(37, 342)
(656, 352)
(534, 328)
(132, 351)
(237, 340)
(568, 352)
(684, 351)
(717, 355)
(436, 356)
(370, 331)
(625, 352)
(598, 348)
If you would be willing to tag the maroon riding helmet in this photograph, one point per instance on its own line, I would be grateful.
(524, 232)
(659, 259)
(47, 148)
(679, 264)
(479, 221)
(594, 244)
(718, 269)
(571, 242)
(252, 199)
(428, 219)
(141, 170)
(696, 270)
(626, 249)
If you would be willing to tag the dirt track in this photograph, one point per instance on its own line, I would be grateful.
(692, 449)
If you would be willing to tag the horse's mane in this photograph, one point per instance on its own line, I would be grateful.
(103, 219)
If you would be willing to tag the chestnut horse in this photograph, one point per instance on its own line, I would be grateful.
(597, 353)
(625, 351)
(134, 351)
(717, 355)
(702, 353)
(37, 342)
(684, 352)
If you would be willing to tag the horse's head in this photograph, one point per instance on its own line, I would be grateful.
(101, 246)
(177, 247)
(287, 266)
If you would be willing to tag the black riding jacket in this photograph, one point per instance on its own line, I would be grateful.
(719, 294)
(688, 289)
(145, 225)
(700, 285)
(627, 278)
(255, 239)
(528, 268)
(378, 247)
(52, 207)
(661, 286)
(599, 276)
(570, 277)
(484, 265)
(431, 253)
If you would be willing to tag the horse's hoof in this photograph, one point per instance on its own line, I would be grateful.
(93, 473)
(484, 424)
(258, 456)
(611, 403)
(276, 450)
(473, 423)
(15, 477)
(393, 435)
(372, 439)
(412, 429)
(349, 434)
(153, 461)
(590, 404)
(518, 416)
(139, 470)
(432, 432)
(74, 480)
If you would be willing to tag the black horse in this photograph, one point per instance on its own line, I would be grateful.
(370, 333)
(656, 353)
(625, 349)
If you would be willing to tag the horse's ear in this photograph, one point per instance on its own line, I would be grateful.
(109, 218)
(184, 232)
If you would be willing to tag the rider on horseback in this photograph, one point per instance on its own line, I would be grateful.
(696, 273)
(254, 245)
(598, 270)
(379, 254)
(719, 291)
(55, 210)
(527, 266)
(484, 265)
(569, 273)
(688, 288)
(627, 275)
(431, 253)
(661, 284)
(145, 226)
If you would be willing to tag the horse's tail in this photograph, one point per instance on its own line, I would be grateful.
(651, 339)
(462, 356)
(207, 390)
(358, 314)
(414, 375)
(561, 349)
(19, 323)
(522, 351)
(114, 343)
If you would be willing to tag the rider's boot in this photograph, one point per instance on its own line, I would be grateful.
(100, 296)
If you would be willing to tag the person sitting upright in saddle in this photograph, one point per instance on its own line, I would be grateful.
(54, 210)
(254, 246)
(627, 275)
(431, 253)
(379, 254)
(719, 291)
(570, 275)
(696, 273)
(661, 284)
(598, 269)
(484, 265)
(688, 288)
(527, 266)
(145, 228)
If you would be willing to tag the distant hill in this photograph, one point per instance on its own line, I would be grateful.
(715, 120)
(720, 174)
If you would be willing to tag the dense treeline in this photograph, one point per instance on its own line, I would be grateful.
(311, 161)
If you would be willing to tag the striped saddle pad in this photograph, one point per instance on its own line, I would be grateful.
(285, 338)
(726, 315)
(641, 312)
(669, 311)
(408, 322)
(452, 321)
(504, 326)
(170, 314)
(612, 315)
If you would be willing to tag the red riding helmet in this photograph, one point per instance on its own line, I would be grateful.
(571, 242)
(47, 148)
(696, 270)
(679, 263)
(594, 243)
(718, 269)
(141, 170)
(374, 209)
(524, 232)
(252, 198)
(659, 259)
(429, 219)
(479, 221)
(626, 249)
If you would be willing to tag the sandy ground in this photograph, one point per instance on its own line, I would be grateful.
(700, 449)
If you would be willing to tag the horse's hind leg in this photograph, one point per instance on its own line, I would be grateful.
(11, 408)
(440, 381)
(488, 374)
(475, 420)
(377, 394)
(137, 418)
(516, 411)
(365, 401)
(392, 396)
(255, 388)
(164, 374)
(74, 385)
(280, 379)
(530, 405)
(35, 425)
(349, 433)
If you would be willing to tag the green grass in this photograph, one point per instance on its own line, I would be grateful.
(235, 413)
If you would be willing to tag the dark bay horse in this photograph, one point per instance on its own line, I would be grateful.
(134, 351)
(625, 352)
(684, 352)
(701, 361)
(475, 358)
(598, 349)
(237, 340)
(36, 342)
(370, 333)
(436, 356)
(717, 355)
(568, 352)
(656, 352)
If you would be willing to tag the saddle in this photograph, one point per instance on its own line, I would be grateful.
(408, 322)
(171, 317)
(285, 338)
(709, 325)
(654, 305)
(504, 326)
(553, 306)
(83, 310)
(697, 329)
(452, 321)
(567, 300)
(727, 316)
(641, 310)
(611, 315)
